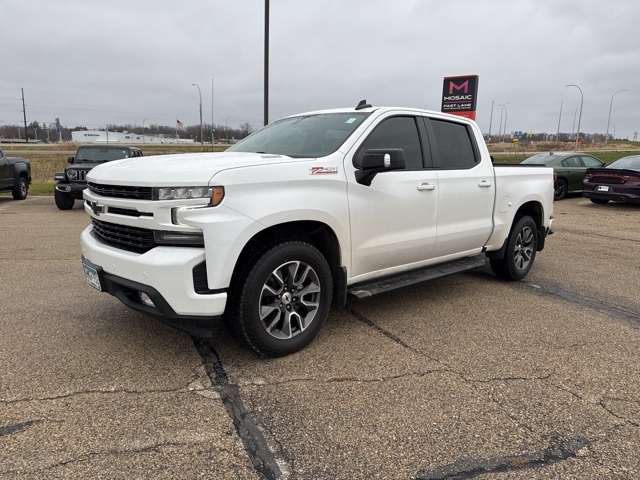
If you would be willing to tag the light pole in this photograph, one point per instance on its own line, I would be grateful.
(199, 93)
(266, 61)
(506, 112)
(573, 127)
(580, 116)
(606, 137)
(491, 119)
(143, 129)
(212, 130)
(559, 117)
(614, 130)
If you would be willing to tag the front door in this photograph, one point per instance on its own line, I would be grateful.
(393, 220)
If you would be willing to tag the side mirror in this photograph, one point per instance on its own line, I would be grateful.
(70, 160)
(378, 160)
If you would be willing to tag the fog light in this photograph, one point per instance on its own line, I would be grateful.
(146, 300)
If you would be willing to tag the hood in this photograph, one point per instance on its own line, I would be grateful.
(188, 169)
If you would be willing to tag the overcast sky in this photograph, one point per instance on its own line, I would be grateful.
(93, 63)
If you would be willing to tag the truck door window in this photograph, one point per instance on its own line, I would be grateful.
(455, 150)
(397, 132)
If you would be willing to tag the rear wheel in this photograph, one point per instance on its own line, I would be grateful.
(21, 190)
(600, 201)
(560, 189)
(520, 252)
(282, 299)
(64, 201)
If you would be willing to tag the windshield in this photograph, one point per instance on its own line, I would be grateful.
(101, 154)
(629, 163)
(541, 159)
(305, 136)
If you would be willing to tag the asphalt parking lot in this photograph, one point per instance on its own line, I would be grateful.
(463, 377)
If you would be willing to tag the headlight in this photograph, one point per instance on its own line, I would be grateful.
(72, 174)
(215, 194)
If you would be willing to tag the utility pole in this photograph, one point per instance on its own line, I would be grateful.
(24, 113)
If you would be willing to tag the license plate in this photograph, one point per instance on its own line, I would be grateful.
(603, 188)
(91, 275)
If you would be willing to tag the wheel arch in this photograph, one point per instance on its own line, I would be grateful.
(534, 210)
(317, 234)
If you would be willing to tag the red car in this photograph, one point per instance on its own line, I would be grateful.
(619, 181)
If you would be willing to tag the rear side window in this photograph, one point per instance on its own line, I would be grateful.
(590, 161)
(453, 144)
(397, 132)
(571, 162)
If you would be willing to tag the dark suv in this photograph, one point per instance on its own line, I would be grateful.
(73, 180)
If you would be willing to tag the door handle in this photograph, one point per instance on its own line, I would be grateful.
(426, 186)
(484, 184)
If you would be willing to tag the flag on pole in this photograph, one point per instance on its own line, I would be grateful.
(178, 123)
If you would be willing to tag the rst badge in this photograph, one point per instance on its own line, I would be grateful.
(322, 170)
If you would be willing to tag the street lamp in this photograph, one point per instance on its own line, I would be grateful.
(614, 130)
(559, 117)
(506, 113)
(143, 129)
(199, 93)
(491, 119)
(580, 116)
(606, 137)
(212, 130)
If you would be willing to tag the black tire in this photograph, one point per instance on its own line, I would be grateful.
(520, 252)
(561, 188)
(21, 190)
(600, 201)
(280, 301)
(64, 201)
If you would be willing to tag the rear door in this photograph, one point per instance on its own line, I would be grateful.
(573, 169)
(466, 192)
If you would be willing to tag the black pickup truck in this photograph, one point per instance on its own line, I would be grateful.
(15, 176)
(73, 180)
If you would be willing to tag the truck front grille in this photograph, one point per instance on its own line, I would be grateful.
(133, 239)
(120, 191)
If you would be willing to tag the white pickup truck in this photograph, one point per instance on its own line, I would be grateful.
(268, 235)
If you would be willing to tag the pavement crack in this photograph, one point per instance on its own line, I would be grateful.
(110, 391)
(253, 440)
(378, 328)
(630, 315)
(471, 468)
(507, 379)
(7, 430)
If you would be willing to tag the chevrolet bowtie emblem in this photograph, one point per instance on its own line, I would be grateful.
(95, 208)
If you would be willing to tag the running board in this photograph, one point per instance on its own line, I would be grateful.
(386, 284)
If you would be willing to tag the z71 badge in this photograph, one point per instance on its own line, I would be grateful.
(322, 170)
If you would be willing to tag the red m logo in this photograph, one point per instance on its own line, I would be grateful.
(453, 86)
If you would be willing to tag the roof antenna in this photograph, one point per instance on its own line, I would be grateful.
(363, 104)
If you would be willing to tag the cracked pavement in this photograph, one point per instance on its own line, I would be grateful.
(462, 377)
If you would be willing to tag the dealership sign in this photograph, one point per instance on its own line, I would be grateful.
(459, 95)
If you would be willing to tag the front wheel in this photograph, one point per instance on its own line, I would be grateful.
(520, 252)
(282, 299)
(21, 190)
(64, 201)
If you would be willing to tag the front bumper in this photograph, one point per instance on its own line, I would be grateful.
(73, 189)
(165, 275)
